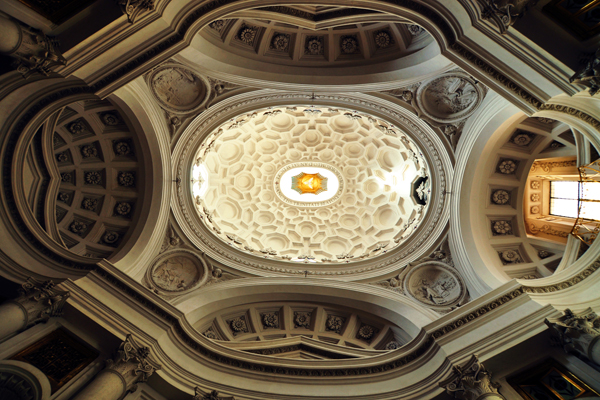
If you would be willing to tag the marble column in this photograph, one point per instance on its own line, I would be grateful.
(32, 50)
(471, 382)
(578, 333)
(38, 301)
(132, 365)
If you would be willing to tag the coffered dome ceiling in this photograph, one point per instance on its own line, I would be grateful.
(311, 184)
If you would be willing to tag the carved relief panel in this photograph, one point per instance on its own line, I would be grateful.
(176, 272)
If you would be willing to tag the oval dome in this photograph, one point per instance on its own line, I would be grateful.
(310, 184)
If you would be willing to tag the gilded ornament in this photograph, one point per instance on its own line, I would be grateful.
(544, 254)
(66, 177)
(383, 39)
(522, 139)
(110, 237)
(314, 45)
(77, 127)
(78, 227)
(110, 119)
(366, 332)
(349, 44)
(501, 197)
(123, 208)
(535, 209)
(93, 178)
(238, 325)
(502, 227)
(122, 148)
(393, 345)
(62, 157)
(217, 25)
(510, 257)
(89, 151)
(302, 319)
(89, 204)
(535, 197)
(535, 185)
(247, 34)
(334, 323)
(64, 197)
(280, 42)
(507, 167)
(270, 320)
(126, 179)
(415, 29)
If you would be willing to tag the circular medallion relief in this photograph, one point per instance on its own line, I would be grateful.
(449, 98)
(178, 271)
(178, 89)
(435, 284)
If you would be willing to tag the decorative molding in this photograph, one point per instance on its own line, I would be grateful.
(549, 230)
(213, 395)
(497, 76)
(587, 118)
(411, 356)
(548, 166)
(134, 8)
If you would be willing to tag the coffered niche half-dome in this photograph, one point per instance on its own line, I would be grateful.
(302, 330)
(83, 178)
(289, 44)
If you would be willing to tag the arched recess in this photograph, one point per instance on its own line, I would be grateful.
(22, 381)
(497, 117)
(527, 88)
(103, 135)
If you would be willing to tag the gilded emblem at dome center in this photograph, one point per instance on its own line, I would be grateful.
(309, 183)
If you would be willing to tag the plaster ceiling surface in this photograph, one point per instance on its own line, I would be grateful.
(372, 195)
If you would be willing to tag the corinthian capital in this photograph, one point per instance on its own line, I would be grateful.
(40, 301)
(133, 8)
(133, 363)
(577, 332)
(32, 50)
(213, 395)
(471, 382)
(505, 13)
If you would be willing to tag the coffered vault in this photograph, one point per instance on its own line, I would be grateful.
(292, 201)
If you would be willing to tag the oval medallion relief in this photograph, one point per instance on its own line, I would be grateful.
(178, 271)
(435, 284)
(449, 98)
(178, 89)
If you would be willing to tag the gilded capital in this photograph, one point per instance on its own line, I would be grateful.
(40, 301)
(471, 382)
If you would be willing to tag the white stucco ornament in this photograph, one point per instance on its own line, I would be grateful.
(309, 184)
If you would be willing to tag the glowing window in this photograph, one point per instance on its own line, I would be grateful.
(567, 196)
